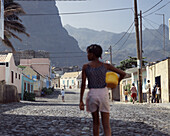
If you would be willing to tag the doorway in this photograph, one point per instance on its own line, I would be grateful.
(158, 80)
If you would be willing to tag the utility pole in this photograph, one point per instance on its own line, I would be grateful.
(141, 37)
(141, 41)
(110, 55)
(2, 19)
(164, 32)
(110, 48)
(138, 53)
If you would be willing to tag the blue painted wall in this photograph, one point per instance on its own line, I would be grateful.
(26, 80)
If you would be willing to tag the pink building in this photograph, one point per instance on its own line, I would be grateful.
(41, 65)
(10, 72)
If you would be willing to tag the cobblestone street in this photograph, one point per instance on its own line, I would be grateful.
(49, 116)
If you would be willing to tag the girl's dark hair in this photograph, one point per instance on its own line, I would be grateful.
(95, 49)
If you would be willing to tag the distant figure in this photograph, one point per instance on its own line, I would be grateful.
(97, 100)
(158, 93)
(126, 95)
(64, 87)
(134, 93)
(62, 94)
(153, 100)
(148, 88)
(42, 93)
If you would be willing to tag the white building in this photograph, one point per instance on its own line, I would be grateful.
(70, 80)
(9, 72)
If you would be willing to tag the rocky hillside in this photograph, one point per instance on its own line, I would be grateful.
(47, 34)
(152, 42)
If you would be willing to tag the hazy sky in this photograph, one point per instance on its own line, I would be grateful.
(114, 21)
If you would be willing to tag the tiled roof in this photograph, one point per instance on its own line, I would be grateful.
(71, 74)
(2, 58)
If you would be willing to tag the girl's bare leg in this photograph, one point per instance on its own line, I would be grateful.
(96, 123)
(106, 123)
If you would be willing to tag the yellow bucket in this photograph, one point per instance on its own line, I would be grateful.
(112, 79)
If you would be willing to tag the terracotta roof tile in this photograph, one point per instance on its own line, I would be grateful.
(2, 58)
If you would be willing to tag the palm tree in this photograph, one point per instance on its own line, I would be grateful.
(12, 23)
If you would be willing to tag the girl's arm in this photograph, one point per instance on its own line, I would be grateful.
(83, 85)
(118, 71)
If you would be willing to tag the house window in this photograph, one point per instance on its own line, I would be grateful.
(67, 83)
(28, 87)
(25, 85)
(31, 88)
(38, 77)
(63, 82)
(19, 76)
(73, 82)
(12, 77)
(34, 77)
(15, 75)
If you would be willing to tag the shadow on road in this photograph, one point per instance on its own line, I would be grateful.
(71, 126)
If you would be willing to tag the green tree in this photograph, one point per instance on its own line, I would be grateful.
(130, 63)
(12, 22)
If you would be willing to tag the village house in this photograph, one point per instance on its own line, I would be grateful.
(9, 72)
(27, 85)
(56, 81)
(69, 80)
(39, 80)
(126, 83)
(156, 72)
(159, 73)
(41, 65)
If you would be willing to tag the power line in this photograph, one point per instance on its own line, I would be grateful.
(151, 21)
(155, 28)
(123, 35)
(157, 9)
(76, 13)
(153, 34)
(70, 57)
(152, 7)
(124, 42)
(64, 52)
(50, 0)
(46, 52)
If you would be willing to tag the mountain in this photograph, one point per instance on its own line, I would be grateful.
(152, 42)
(48, 34)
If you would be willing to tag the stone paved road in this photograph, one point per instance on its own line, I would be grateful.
(49, 116)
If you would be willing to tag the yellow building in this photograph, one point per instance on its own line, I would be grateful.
(39, 80)
(159, 73)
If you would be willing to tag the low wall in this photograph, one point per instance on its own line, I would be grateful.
(116, 93)
(37, 93)
(8, 93)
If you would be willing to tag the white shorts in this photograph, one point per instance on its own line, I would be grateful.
(98, 99)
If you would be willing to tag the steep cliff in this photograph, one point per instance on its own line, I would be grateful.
(47, 33)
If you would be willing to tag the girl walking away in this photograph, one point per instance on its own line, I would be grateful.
(134, 92)
(97, 98)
